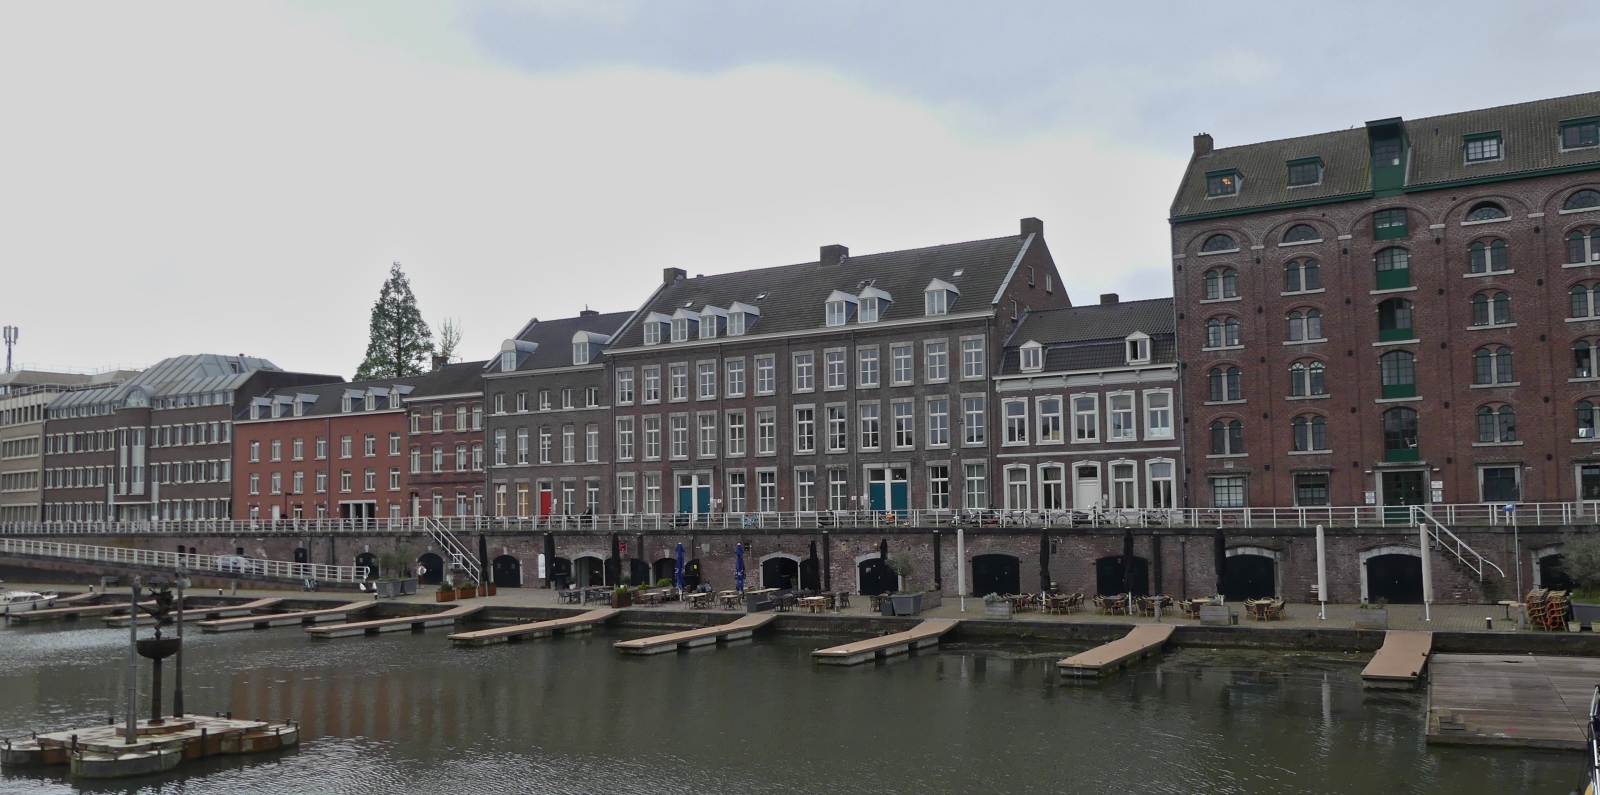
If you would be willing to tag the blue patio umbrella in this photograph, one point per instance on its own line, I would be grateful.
(677, 571)
(738, 567)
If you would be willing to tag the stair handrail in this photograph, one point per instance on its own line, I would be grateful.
(460, 557)
(1436, 529)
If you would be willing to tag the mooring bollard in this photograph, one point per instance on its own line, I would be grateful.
(202, 742)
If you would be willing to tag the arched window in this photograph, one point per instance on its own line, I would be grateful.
(1400, 435)
(1222, 283)
(1582, 360)
(1501, 304)
(1586, 419)
(1497, 424)
(1491, 309)
(1582, 200)
(1302, 275)
(1301, 232)
(1583, 246)
(1297, 327)
(1394, 268)
(1490, 256)
(1225, 383)
(1394, 320)
(1398, 371)
(1486, 211)
(1222, 332)
(1581, 306)
(1307, 379)
(1310, 434)
(1227, 438)
(1305, 325)
(1219, 242)
(1492, 365)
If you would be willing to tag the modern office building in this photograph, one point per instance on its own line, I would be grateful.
(25, 397)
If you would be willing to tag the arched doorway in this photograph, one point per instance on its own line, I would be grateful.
(780, 571)
(664, 569)
(506, 572)
(1551, 574)
(1001, 574)
(371, 562)
(639, 572)
(875, 577)
(559, 573)
(588, 570)
(691, 573)
(1115, 574)
(1248, 575)
(1394, 577)
(430, 569)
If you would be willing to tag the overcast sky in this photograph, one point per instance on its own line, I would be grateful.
(236, 177)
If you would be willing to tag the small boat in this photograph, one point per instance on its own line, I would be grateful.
(1591, 779)
(24, 601)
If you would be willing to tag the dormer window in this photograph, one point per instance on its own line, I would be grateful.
(1032, 357)
(347, 404)
(1222, 183)
(277, 409)
(371, 402)
(680, 329)
(1482, 147)
(873, 303)
(1306, 171)
(735, 324)
(938, 296)
(655, 328)
(652, 333)
(1138, 346)
(1580, 133)
(839, 308)
(586, 345)
(299, 407)
(741, 317)
(711, 320)
(869, 311)
(580, 352)
(508, 361)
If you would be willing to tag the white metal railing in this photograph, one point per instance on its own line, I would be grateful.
(233, 565)
(460, 557)
(1451, 515)
(1453, 544)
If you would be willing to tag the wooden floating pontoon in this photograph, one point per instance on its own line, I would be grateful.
(1399, 663)
(1511, 701)
(101, 752)
(203, 613)
(1106, 659)
(922, 635)
(705, 636)
(399, 624)
(266, 620)
(538, 629)
(74, 613)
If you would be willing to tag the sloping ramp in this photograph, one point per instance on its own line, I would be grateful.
(397, 624)
(538, 629)
(205, 613)
(86, 596)
(734, 630)
(1106, 659)
(922, 635)
(266, 620)
(1399, 662)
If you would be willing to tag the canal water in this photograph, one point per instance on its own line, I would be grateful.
(408, 713)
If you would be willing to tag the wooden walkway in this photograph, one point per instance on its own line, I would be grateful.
(705, 636)
(1516, 701)
(1399, 662)
(75, 613)
(86, 596)
(582, 622)
(922, 635)
(266, 620)
(1104, 660)
(204, 613)
(398, 624)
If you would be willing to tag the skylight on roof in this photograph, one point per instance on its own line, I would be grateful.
(761, 296)
(958, 272)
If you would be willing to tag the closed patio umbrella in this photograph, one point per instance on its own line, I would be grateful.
(614, 564)
(677, 570)
(1220, 550)
(483, 560)
(1044, 561)
(738, 567)
(550, 560)
(814, 570)
(1127, 560)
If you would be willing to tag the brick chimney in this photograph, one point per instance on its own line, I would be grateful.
(587, 312)
(1202, 144)
(1032, 226)
(439, 362)
(1108, 298)
(672, 275)
(834, 254)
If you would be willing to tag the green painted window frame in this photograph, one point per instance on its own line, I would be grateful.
(1391, 391)
(1491, 135)
(1394, 280)
(1238, 179)
(1569, 123)
(1392, 231)
(1304, 161)
(1396, 334)
(1409, 454)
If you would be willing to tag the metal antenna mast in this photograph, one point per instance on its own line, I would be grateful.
(11, 339)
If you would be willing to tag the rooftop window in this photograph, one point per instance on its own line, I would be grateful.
(1307, 171)
(1580, 133)
(1482, 147)
(1138, 344)
(938, 296)
(1222, 183)
(838, 308)
(1032, 357)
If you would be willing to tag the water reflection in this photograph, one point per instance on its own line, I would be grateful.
(409, 713)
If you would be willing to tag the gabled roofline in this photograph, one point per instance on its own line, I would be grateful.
(1015, 264)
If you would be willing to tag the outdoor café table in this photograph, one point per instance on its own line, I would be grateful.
(815, 604)
(700, 601)
(729, 599)
(1021, 602)
(569, 596)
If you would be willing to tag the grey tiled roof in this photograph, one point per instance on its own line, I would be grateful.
(794, 295)
(179, 375)
(1091, 336)
(1530, 133)
(554, 338)
(452, 379)
(330, 397)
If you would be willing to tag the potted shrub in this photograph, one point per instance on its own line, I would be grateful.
(996, 606)
(906, 603)
(622, 597)
(466, 590)
(446, 593)
(1372, 615)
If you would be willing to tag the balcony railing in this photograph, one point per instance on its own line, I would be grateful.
(225, 565)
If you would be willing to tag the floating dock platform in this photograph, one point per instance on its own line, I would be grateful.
(582, 622)
(204, 613)
(398, 624)
(101, 752)
(1107, 659)
(922, 635)
(1399, 662)
(705, 636)
(75, 612)
(267, 620)
(1510, 701)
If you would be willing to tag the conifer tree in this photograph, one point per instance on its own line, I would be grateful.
(400, 341)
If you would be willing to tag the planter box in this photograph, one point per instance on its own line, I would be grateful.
(1372, 619)
(1585, 613)
(392, 588)
(493, 589)
(622, 599)
(997, 609)
(444, 596)
(932, 600)
(1216, 614)
(906, 604)
(466, 593)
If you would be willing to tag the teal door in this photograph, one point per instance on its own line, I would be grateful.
(888, 490)
(899, 492)
(878, 490)
(694, 494)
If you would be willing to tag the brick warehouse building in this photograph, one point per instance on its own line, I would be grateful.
(445, 453)
(323, 451)
(1403, 313)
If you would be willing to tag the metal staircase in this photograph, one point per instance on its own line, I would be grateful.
(458, 556)
(1452, 543)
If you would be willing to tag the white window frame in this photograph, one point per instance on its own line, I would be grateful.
(1026, 491)
(1041, 416)
(1010, 423)
(1150, 429)
(1093, 413)
(974, 361)
(1030, 357)
(1132, 427)
(1132, 480)
(1151, 480)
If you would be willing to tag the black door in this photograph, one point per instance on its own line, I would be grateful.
(560, 571)
(430, 569)
(876, 578)
(1249, 577)
(1396, 579)
(639, 572)
(300, 555)
(506, 571)
(371, 562)
(1401, 488)
(810, 575)
(1118, 575)
(691, 573)
(780, 573)
(664, 569)
(1000, 574)
(1552, 576)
